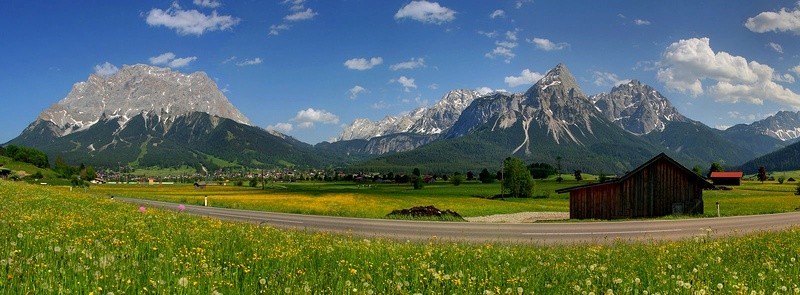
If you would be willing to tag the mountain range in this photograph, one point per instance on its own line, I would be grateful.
(150, 116)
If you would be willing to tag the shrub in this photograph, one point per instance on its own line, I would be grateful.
(418, 183)
(457, 179)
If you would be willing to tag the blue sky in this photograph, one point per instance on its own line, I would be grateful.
(308, 67)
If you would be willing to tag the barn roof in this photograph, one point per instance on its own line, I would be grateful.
(738, 174)
(640, 168)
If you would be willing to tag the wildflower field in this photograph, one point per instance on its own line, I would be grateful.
(56, 241)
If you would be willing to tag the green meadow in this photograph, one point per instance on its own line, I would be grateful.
(468, 199)
(53, 241)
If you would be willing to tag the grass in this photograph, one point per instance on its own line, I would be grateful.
(56, 241)
(50, 177)
(753, 197)
(346, 199)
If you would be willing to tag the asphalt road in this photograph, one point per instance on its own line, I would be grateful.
(535, 233)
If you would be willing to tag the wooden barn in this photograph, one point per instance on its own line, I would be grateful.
(726, 178)
(659, 187)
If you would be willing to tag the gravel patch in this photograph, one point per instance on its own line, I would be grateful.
(521, 217)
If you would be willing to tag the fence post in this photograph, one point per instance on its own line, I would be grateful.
(205, 202)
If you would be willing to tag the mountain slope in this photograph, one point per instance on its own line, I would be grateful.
(785, 159)
(190, 139)
(700, 143)
(148, 116)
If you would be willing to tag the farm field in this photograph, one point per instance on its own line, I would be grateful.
(376, 200)
(56, 241)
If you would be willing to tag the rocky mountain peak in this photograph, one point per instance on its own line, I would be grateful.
(561, 78)
(135, 90)
(784, 125)
(425, 121)
(637, 108)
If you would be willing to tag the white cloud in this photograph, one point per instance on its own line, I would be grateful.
(607, 79)
(505, 48)
(497, 13)
(781, 21)
(547, 45)
(433, 86)
(171, 61)
(641, 22)
(407, 83)
(409, 65)
(189, 22)
(512, 35)
(281, 127)
(308, 117)
(301, 15)
(230, 59)
(162, 59)
(181, 62)
(106, 69)
(526, 77)
(426, 12)
(519, 3)
(362, 64)
(207, 3)
(686, 64)
(796, 70)
(775, 46)
(501, 51)
(787, 78)
(491, 34)
(298, 13)
(355, 91)
(275, 30)
(250, 62)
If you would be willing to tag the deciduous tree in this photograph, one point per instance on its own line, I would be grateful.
(517, 179)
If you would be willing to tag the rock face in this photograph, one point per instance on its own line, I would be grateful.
(135, 90)
(555, 103)
(422, 121)
(637, 108)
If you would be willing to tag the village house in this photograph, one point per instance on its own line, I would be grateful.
(726, 178)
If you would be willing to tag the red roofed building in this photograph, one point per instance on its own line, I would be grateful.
(727, 178)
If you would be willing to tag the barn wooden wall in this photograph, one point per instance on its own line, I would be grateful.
(649, 192)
